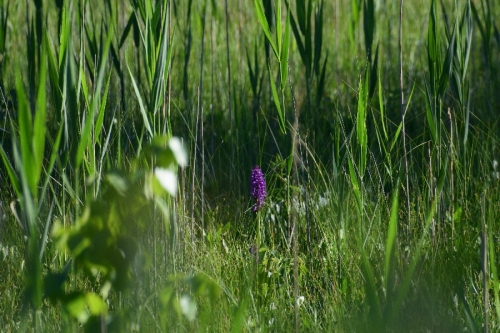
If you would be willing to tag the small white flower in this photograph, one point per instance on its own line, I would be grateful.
(300, 300)
(495, 164)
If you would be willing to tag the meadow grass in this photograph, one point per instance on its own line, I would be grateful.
(129, 132)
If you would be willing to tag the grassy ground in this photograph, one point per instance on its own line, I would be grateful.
(379, 148)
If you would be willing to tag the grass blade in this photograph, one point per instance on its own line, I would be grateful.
(142, 109)
(281, 114)
(259, 10)
(284, 53)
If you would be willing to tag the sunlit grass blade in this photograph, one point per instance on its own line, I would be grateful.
(265, 26)
(361, 121)
(281, 114)
(284, 53)
(142, 109)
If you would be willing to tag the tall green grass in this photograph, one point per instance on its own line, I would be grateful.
(380, 155)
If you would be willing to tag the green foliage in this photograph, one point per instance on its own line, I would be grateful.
(104, 243)
(101, 230)
(280, 48)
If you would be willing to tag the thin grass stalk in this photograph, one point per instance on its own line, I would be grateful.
(200, 113)
(193, 174)
(484, 263)
(169, 76)
(166, 115)
(212, 62)
(401, 87)
(229, 98)
(492, 267)
(452, 177)
(294, 212)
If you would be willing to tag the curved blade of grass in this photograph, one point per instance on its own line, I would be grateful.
(277, 103)
(265, 26)
(141, 105)
(396, 136)
(382, 109)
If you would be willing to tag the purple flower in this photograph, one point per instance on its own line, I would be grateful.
(257, 187)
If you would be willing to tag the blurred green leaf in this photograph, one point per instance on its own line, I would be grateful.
(75, 304)
(95, 304)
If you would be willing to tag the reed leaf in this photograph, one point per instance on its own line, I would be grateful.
(259, 10)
